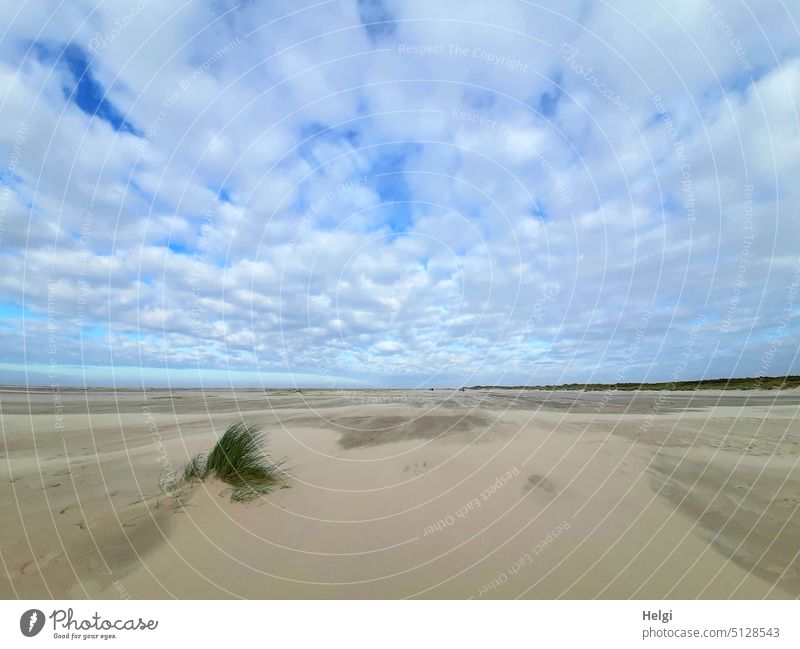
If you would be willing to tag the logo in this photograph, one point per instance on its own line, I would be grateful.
(31, 622)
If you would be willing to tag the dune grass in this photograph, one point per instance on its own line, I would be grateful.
(239, 460)
(196, 468)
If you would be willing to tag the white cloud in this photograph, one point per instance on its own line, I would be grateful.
(302, 194)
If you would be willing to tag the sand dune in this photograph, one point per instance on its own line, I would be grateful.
(394, 494)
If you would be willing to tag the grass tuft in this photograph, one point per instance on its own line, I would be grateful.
(196, 469)
(238, 459)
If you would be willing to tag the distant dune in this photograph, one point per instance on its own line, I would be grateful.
(748, 383)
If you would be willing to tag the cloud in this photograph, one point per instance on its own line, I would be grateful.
(387, 193)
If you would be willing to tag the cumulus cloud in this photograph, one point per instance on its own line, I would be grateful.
(393, 192)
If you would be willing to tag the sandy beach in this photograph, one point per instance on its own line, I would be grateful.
(405, 494)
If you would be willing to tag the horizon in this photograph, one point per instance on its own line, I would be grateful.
(46, 386)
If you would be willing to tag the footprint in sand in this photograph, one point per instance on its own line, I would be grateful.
(419, 468)
(29, 567)
(536, 481)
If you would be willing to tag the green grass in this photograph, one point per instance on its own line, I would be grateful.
(196, 469)
(239, 460)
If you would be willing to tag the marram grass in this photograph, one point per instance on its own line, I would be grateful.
(239, 460)
(196, 468)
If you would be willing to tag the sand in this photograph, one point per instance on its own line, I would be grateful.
(405, 494)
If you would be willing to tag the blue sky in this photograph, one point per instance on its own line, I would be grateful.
(402, 193)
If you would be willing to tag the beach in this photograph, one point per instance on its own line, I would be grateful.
(480, 494)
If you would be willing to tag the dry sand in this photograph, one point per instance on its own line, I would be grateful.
(395, 494)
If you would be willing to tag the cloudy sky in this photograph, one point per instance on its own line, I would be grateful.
(398, 192)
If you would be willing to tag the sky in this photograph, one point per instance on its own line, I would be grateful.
(398, 192)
